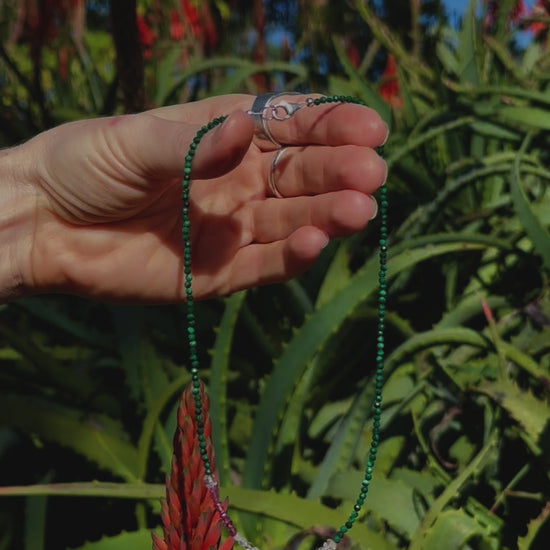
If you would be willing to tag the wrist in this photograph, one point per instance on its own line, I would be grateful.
(18, 200)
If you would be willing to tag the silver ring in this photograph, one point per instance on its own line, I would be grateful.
(263, 111)
(272, 184)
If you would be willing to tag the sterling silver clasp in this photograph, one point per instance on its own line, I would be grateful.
(282, 110)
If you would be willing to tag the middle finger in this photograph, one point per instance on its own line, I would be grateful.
(297, 171)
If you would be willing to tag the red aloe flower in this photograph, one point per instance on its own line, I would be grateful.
(177, 31)
(191, 16)
(540, 9)
(352, 53)
(389, 84)
(191, 520)
(146, 35)
(517, 12)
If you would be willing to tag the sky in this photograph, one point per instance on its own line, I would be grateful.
(459, 6)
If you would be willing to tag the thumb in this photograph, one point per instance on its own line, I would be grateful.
(165, 143)
(223, 148)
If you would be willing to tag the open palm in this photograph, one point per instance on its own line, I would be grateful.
(108, 222)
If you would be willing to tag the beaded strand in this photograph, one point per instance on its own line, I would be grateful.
(210, 481)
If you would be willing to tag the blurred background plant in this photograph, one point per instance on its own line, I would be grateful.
(89, 391)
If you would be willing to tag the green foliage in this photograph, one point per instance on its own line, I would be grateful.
(88, 391)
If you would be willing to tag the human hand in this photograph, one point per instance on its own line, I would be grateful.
(106, 220)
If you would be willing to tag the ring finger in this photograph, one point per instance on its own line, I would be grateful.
(337, 214)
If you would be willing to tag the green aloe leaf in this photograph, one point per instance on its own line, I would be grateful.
(468, 47)
(531, 413)
(538, 234)
(48, 311)
(337, 275)
(97, 437)
(135, 540)
(302, 513)
(344, 441)
(152, 429)
(94, 489)
(243, 66)
(390, 499)
(35, 520)
(366, 92)
(288, 508)
(451, 491)
(535, 117)
(217, 388)
(454, 336)
(535, 528)
(452, 531)
(312, 336)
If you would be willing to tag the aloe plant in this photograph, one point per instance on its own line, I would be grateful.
(464, 459)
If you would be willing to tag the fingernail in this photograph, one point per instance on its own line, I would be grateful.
(375, 212)
(385, 176)
(387, 135)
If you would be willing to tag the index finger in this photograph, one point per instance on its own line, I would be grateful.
(333, 124)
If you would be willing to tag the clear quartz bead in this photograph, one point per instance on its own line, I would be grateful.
(243, 543)
(210, 482)
(329, 544)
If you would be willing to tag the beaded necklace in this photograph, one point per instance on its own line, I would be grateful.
(209, 480)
